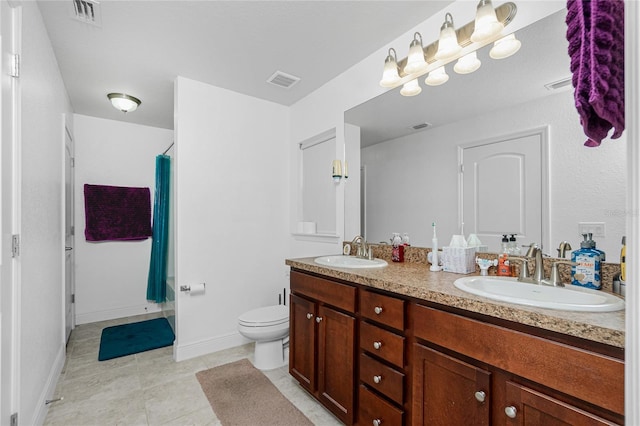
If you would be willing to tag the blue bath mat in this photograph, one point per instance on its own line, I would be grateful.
(127, 339)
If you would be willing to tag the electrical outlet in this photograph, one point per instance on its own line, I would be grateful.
(595, 228)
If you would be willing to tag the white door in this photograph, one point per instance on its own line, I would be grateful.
(503, 189)
(9, 211)
(68, 232)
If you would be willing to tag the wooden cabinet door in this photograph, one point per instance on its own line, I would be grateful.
(302, 341)
(526, 407)
(448, 391)
(336, 372)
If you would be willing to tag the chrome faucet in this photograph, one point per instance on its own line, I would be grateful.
(361, 246)
(534, 252)
(563, 249)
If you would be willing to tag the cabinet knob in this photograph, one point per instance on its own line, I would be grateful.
(377, 379)
(377, 345)
(480, 396)
(377, 310)
(377, 422)
(309, 316)
(318, 319)
(511, 411)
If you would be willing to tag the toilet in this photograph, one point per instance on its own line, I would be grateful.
(269, 328)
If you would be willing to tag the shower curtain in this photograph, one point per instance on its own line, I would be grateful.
(157, 283)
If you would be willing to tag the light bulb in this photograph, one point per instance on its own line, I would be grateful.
(467, 64)
(390, 76)
(415, 60)
(486, 23)
(411, 88)
(448, 46)
(437, 77)
(505, 47)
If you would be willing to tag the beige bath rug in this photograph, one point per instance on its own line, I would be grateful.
(241, 395)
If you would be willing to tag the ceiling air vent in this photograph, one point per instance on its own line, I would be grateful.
(87, 11)
(282, 79)
(557, 85)
(420, 126)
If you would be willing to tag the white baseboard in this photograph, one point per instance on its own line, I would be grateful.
(48, 389)
(207, 346)
(127, 311)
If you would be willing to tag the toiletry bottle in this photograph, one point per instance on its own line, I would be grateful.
(405, 239)
(397, 250)
(504, 269)
(603, 256)
(587, 272)
(623, 261)
(513, 246)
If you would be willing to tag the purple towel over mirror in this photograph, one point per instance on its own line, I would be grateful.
(116, 213)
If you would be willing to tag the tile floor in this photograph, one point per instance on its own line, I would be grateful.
(129, 391)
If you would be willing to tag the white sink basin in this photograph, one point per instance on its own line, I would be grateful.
(570, 298)
(341, 261)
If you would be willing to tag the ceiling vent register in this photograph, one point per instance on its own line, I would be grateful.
(282, 79)
(87, 11)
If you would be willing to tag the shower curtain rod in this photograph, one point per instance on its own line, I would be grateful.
(166, 150)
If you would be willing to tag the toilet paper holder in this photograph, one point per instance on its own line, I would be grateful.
(187, 288)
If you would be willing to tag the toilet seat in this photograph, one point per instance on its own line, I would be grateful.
(265, 317)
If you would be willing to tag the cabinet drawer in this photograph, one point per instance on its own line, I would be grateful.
(382, 378)
(339, 295)
(382, 343)
(374, 408)
(383, 309)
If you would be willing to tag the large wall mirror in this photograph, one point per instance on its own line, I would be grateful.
(411, 177)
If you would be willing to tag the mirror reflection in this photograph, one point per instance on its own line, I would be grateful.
(411, 149)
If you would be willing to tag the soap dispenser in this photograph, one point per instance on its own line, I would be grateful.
(593, 246)
(587, 271)
(504, 269)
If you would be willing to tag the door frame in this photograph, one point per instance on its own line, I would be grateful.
(67, 293)
(543, 133)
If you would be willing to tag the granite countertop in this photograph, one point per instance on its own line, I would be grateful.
(417, 281)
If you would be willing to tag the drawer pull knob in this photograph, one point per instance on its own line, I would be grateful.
(309, 316)
(480, 396)
(377, 310)
(377, 379)
(377, 422)
(511, 411)
(318, 319)
(377, 345)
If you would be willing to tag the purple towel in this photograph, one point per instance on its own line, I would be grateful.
(595, 31)
(117, 213)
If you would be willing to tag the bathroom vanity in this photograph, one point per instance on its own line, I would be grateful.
(401, 345)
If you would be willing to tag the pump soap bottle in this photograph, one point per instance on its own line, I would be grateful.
(504, 269)
(587, 271)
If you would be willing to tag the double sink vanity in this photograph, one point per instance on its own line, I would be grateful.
(388, 343)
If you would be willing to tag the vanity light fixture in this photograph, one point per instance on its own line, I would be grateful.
(411, 88)
(390, 76)
(453, 44)
(415, 60)
(486, 23)
(448, 46)
(505, 47)
(437, 77)
(123, 102)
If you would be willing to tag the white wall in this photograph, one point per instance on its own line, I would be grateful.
(44, 104)
(231, 180)
(111, 276)
(586, 184)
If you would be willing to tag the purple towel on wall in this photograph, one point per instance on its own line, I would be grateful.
(115, 213)
(595, 31)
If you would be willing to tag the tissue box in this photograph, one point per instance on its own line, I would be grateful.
(461, 260)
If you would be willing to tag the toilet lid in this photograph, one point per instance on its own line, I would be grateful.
(261, 317)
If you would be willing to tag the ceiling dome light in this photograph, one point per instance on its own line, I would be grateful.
(411, 88)
(124, 102)
(415, 60)
(505, 47)
(486, 23)
(448, 46)
(467, 64)
(437, 77)
(390, 76)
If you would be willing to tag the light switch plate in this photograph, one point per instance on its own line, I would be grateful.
(595, 228)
